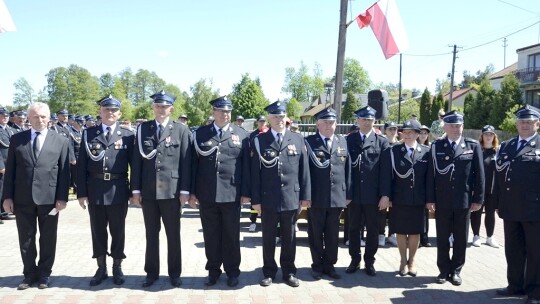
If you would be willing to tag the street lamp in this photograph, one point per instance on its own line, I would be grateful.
(329, 88)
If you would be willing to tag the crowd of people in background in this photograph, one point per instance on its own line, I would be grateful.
(384, 184)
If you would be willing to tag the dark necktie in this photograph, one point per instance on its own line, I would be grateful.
(220, 133)
(411, 153)
(108, 135)
(326, 142)
(522, 144)
(362, 138)
(279, 138)
(36, 145)
(160, 131)
(453, 145)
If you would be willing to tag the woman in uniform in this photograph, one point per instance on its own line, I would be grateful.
(409, 161)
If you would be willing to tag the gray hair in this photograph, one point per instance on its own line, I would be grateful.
(39, 106)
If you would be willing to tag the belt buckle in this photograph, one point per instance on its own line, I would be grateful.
(106, 176)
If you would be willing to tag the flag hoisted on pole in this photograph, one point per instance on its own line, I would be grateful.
(6, 23)
(385, 21)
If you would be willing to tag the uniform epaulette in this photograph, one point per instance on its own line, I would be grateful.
(126, 128)
(471, 140)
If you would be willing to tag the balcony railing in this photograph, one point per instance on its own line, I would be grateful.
(528, 75)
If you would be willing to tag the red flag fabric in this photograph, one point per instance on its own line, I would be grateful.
(385, 21)
(6, 24)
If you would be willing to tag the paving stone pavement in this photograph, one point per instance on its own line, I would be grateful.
(484, 271)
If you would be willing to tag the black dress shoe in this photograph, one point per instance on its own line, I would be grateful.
(370, 270)
(317, 275)
(426, 244)
(44, 283)
(441, 278)
(118, 275)
(210, 281)
(266, 281)
(353, 267)
(456, 279)
(26, 283)
(333, 274)
(148, 281)
(175, 282)
(292, 281)
(100, 276)
(232, 281)
(507, 292)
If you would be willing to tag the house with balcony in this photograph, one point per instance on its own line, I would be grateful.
(528, 73)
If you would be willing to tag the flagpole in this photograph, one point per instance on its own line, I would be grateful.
(399, 96)
(340, 58)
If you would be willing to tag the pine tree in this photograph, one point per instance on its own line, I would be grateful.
(425, 108)
(351, 105)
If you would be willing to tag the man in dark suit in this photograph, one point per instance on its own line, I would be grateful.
(517, 198)
(102, 174)
(36, 187)
(371, 181)
(5, 135)
(280, 185)
(330, 171)
(220, 169)
(455, 187)
(161, 177)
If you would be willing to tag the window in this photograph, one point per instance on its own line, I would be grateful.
(533, 98)
(534, 62)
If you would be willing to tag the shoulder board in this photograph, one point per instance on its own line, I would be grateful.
(468, 139)
(126, 128)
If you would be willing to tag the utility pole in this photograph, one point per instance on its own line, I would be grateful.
(505, 44)
(399, 96)
(340, 58)
(452, 79)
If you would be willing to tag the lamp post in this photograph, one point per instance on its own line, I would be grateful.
(329, 88)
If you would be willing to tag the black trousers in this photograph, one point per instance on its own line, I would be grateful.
(522, 251)
(489, 219)
(269, 220)
(27, 217)
(154, 211)
(113, 216)
(450, 221)
(323, 237)
(73, 170)
(221, 232)
(359, 214)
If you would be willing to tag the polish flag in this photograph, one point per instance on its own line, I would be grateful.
(6, 23)
(385, 21)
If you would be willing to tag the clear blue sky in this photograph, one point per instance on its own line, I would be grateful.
(184, 41)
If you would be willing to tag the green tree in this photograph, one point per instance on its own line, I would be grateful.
(143, 110)
(180, 102)
(408, 107)
(477, 110)
(126, 81)
(509, 122)
(355, 77)
(294, 109)
(198, 107)
(351, 104)
(301, 85)
(442, 86)
(24, 93)
(145, 83)
(425, 108)
(470, 80)
(73, 88)
(436, 106)
(507, 97)
(248, 98)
